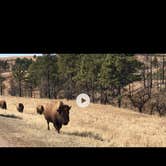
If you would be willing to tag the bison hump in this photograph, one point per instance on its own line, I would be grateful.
(53, 106)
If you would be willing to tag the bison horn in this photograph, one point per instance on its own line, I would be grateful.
(60, 103)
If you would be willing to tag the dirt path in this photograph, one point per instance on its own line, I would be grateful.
(4, 143)
(16, 131)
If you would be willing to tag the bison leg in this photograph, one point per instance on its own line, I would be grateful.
(58, 130)
(48, 125)
(57, 127)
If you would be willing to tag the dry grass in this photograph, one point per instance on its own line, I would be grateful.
(94, 126)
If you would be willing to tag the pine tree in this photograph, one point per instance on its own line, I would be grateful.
(1, 85)
(19, 72)
(68, 66)
(155, 61)
(88, 74)
(42, 74)
(117, 71)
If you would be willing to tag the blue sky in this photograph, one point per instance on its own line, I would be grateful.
(10, 55)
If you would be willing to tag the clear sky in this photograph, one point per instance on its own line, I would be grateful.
(10, 55)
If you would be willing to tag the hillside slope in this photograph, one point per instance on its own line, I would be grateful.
(8, 75)
(94, 126)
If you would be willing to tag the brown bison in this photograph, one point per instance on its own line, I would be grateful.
(40, 109)
(3, 104)
(57, 113)
(20, 107)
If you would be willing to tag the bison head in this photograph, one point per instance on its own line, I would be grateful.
(64, 113)
(40, 109)
(20, 107)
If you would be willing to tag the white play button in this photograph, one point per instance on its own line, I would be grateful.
(83, 100)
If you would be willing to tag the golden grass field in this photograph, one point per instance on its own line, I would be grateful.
(94, 126)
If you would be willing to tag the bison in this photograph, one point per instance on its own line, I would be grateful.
(40, 109)
(3, 104)
(20, 107)
(57, 113)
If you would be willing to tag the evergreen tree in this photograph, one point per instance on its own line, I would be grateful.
(43, 73)
(1, 85)
(155, 61)
(68, 66)
(88, 74)
(19, 72)
(117, 71)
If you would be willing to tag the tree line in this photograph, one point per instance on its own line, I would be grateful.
(101, 76)
(154, 85)
(104, 77)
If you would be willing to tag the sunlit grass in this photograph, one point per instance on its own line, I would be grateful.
(94, 126)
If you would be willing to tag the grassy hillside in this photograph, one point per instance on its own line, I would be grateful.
(94, 126)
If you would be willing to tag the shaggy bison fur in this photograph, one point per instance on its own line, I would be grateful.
(3, 104)
(57, 113)
(20, 107)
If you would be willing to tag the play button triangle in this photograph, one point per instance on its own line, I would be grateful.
(83, 100)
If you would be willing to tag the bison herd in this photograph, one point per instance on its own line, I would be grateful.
(55, 112)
